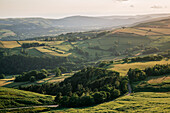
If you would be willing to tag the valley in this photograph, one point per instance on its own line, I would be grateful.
(89, 71)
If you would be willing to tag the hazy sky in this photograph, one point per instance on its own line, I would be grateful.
(62, 8)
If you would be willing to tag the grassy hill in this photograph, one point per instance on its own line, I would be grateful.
(23, 28)
(16, 98)
(124, 67)
(154, 84)
(136, 102)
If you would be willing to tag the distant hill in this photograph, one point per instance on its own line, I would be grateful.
(23, 28)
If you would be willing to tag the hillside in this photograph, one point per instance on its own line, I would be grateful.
(16, 98)
(137, 102)
(24, 28)
(86, 48)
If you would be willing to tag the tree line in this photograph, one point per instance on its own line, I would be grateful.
(16, 64)
(87, 87)
(157, 70)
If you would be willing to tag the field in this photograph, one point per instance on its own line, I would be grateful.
(9, 81)
(137, 102)
(6, 33)
(16, 98)
(154, 84)
(10, 44)
(124, 67)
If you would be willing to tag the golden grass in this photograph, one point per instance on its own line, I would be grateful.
(159, 79)
(135, 31)
(140, 102)
(50, 52)
(4, 82)
(160, 30)
(10, 44)
(9, 81)
(123, 68)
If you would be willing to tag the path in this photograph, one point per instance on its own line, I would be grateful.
(130, 89)
(49, 106)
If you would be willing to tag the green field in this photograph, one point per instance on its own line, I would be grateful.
(154, 84)
(124, 67)
(137, 102)
(9, 81)
(16, 98)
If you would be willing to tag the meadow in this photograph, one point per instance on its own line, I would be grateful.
(136, 102)
(124, 67)
(17, 98)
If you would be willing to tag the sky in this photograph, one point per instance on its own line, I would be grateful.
(64, 8)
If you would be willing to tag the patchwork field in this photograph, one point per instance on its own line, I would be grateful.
(137, 102)
(9, 81)
(123, 68)
(154, 84)
(10, 44)
(6, 33)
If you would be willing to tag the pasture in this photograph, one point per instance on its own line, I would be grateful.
(17, 98)
(136, 102)
(124, 67)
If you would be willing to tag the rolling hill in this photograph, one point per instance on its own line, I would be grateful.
(23, 28)
(17, 98)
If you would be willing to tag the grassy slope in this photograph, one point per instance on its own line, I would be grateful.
(17, 98)
(123, 68)
(136, 102)
(153, 83)
(152, 34)
(8, 82)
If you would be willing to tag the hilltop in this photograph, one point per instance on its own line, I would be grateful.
(24, 28)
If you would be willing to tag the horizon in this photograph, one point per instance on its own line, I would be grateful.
(62, 17)
(56, 9)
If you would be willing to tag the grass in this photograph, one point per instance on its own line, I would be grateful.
(123, 68)
(10, 44)
(5, 33)
(16, 98)
(137, 102)
(154, 83)
(9, 81)
(52, 52)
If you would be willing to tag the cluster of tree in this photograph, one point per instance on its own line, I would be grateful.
(27, 45)
(16, 64)
(86, 87)
(2, 76)
(138, 75)
(146, 58)
(72, 37)
(32, 76)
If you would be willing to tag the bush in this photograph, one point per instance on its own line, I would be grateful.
(2, 76)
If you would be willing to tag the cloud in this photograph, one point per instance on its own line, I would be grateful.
(132, 6)
(122, 0)
(156, 7)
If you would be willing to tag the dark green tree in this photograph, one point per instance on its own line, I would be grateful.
(2, 76)
(58, 72)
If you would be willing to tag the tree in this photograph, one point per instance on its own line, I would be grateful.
(115, 93)
(58, 72)
(58, 97)
(32, 79)
(2, 76)
(100, 97)
(63, 69)
(87, 100)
